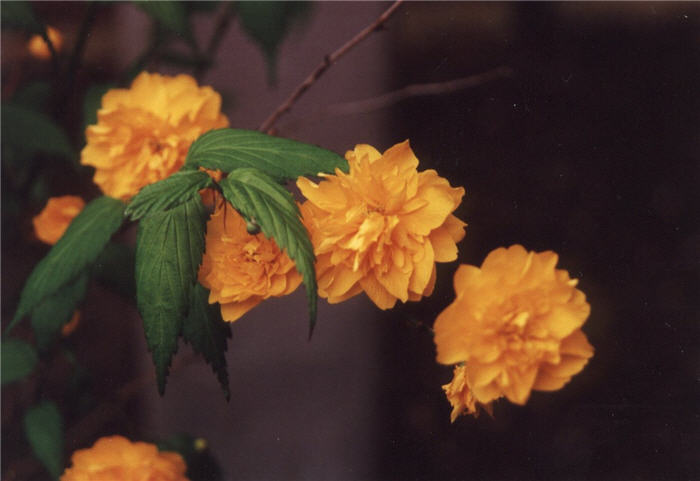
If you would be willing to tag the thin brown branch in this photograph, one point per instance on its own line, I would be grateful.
(417, 90)
(52, 50)
(328, 60)
(391, 98)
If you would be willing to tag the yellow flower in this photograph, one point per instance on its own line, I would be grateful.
(54, 219)
(461, 397)
(115, 458)
(39, 49)
(143, 133)
(241, 270)
(381, 227)
(515, 324)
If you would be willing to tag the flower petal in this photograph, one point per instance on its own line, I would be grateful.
(234, 310)
(379, 295)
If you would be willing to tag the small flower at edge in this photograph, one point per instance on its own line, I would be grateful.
(115, 458)
(53, 220)
(39, 49)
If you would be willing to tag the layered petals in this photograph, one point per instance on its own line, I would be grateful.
(381, 227)
(461, 397)
(515, 324)
(115, 458)
(241, 270)
(143, 133)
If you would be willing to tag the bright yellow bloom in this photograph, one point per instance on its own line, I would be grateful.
(515, 324)
(115, 458)
(39, 49)
(54, 219)
(241, 270)
(143, 133)
(381, 227)
(461, 397)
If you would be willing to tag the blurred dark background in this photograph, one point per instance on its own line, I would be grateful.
(590, 148)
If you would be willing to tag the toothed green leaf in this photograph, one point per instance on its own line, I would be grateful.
(169, 249)
(281, 159)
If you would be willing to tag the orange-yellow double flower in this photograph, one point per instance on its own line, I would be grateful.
(381, 227)
(515, 324)
(115, 458)
(143, 133)
(241, 270)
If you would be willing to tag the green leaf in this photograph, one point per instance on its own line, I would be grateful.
(18, 360)
(20, 15)
(168, 193)
(43, 426)
(171, 15)
(207, 332)
(115, 268)
(257, 197)
(33, 131)
(169, 250)
(267, 23)
(80, 245)
(281, 159)
(56, 310)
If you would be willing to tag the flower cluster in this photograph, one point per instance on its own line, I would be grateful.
(240, 269)
(381, 227)
(115, 458)
(143, 133)
(54, 219)
(515, 324)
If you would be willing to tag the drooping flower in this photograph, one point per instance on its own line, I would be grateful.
(516, 325)
(461, 397)
(381, 227)
(115, 458)
(143, 133)
(241, 270)
(53, 220)
(39, 49)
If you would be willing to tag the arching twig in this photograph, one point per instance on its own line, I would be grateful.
(328, 60)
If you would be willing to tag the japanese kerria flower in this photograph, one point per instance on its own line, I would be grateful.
(240, 269)
(461, 397)
(114, 458)
(515, 325)
(54, 219)
(143, 133)
(381, 227)
(38, 47)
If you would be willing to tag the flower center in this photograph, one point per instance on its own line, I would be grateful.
(524, 341)
(155, 145)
